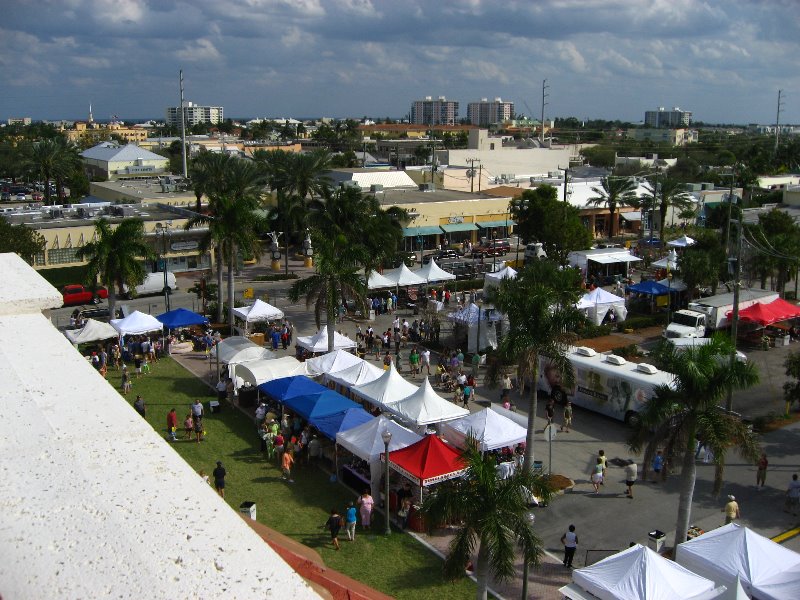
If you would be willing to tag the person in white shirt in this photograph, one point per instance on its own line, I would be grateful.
(631, 475)
(425, 360)
(570, 541)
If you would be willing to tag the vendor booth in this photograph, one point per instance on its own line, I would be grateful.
(376, 281)
(783, 309)
(92, 331)
(261, 371)
(322, 404)
(284, 388)
(602, 263)
(238, 349)
(489, 428)
(136, 323)
(638, 573)
(433, 273)
(258, 311)
(597, 303)
(425, 407)
(319, 341)
(494, 279)
(389, 387)
(403, 277)
(366, 443)
(330, 425)
(181, 317)
(358, 374)
(682, 242)
(332, 362)
(480, 325)
(767, 571)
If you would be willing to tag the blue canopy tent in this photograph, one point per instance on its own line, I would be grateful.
(651, 288)
(181, 317)
(289, 387)
(319, 405)
(330, 425)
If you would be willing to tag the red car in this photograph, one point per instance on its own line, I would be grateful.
(78, 294)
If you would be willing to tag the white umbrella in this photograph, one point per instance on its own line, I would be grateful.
(682, 242)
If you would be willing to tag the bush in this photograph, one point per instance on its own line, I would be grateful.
(630, 351)
(594, 331)
(276, 277)
(643, 322)
(62, 276)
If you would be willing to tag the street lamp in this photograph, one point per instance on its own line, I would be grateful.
(386, 436)
(275, 250)
(164, 231)
(308, 251)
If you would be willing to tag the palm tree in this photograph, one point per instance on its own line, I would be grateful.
(613, 193)
(203, 171)
(679, 414)
(291, 213)
(540, 306)
(337, 278)
(51, 159)
(115, 257)
(494, 518)
(665, 192)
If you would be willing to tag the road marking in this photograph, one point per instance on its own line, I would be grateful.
(786, 535)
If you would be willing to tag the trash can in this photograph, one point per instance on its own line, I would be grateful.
(249, 509)
(371, 316)
(655, 540)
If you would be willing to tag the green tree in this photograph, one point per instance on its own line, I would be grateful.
(777, 239)
(289, 214)
(21, 240)
(540, 306)
(791, 388)
(51, 160)
(614, 192)
(680, 413)
(493, 515)
(115, 257)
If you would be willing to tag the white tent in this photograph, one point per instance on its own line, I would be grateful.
(489, 428)
(319, 341)
(238, 349)
(681, 242)
(260, 371)
(676, 285)
(258, 311)
(494, 279)
(137, 323)
(332, 362)
(638, 573)
(598, 302)
(766, 570)
(426, 407)
(389, 387)
(433, 272)
(403, 276)
(363, 372)
(365, 441)
(670, 261)
(377, 281)
(469, 316)
(92, 331)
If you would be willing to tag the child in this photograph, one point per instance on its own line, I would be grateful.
(286, 462)
(658, 464)
(188, 426)
(137, 363)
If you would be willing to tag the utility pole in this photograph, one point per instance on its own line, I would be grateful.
(183, 129)
(544, 103)
(433, 154)
(480, 175)
(730, 211)
(471, 173)
(737, 272)
(778, 120)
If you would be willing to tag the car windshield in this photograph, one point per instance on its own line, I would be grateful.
(683, 319)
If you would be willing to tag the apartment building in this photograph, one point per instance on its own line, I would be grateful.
(194, 114)
(485, 112)
(667, 118)
(434, 112)
(674, 137)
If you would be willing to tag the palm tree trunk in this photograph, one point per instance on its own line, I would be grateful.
(482, 572)
(331, 308)
(688, 478)
(286, 247)
(529, 456)
(231, 264)
(218, 260)
(112, 301)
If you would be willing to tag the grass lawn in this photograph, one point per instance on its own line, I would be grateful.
(397, 565)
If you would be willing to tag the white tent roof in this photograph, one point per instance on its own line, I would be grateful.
(403, 276)
(470, 313)
(433, 272)
(258, 311)
(365, 441)
(319, 341)
(137, 323)
(376, 281)
(389, 387)
(489, 428)
(238, 349)
(260, 371)
(363, 372)
(598, 302)
(332, 362)
(598, 296)
(676, 285)
(637, 573)
(425, 407)
(490, 279)
(92, 331)
(670, 261)
(732, 550)
(681, 242)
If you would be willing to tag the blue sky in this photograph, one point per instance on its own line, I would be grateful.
(723, 60)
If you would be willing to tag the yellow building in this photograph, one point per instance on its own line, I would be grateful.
(91, 133)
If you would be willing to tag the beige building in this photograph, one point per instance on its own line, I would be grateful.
(110, 160)
(674, 137)
(86, 134)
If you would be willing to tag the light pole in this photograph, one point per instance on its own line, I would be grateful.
(308, 251)
(478, 340)
(386, 436)
(164, 231)
(275, 250)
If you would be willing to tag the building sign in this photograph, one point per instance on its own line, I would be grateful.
(248, 293)
(455, 220)
(183, 246)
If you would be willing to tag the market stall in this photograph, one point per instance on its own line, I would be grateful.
(332, 362)
(682, 242)
(181, 317)
(258, 311)
(358, 374)
(425, 407)
(480, 325)
(376, 281)
(389, 387)
(783, 309)
(321, 404)
(257, 372)
(488, 427)
(494, 279)
(136, 323)
(403, 277)
(319, 342)
(284, 388)
(238, 349)
(92, 331)
(330, 425)
(433, 273)
(597, 303)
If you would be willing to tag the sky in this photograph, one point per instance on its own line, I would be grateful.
(724, 60)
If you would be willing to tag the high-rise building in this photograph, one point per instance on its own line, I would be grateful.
(194, 114)
(485, 113)
(434, 112)
(667, 118)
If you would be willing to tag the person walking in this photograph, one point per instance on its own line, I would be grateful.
(570, 541)
(286, 464)
(425, 359)
(126, 380)
(172, 425)
(567, 417)
(350, 522)
(631, 475)
(365, 503)
(792, 496)
(602, 456)
(761, 473)
(550, 411)
(197, 418)
(596, 475)
(219, 478)
(334, 524)
(731, 510)
(658, 465)
(138, 404)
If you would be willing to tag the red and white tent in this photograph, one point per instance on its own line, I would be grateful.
(427, 462)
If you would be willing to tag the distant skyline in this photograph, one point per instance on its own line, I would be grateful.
(723, 60)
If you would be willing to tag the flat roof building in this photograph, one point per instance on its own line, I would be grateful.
(434, 112)
(667, 118)
(194, 114)
(485, 112)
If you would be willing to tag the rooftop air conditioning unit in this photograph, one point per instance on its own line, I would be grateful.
(425, 187)
(584, 351)
(615, 360)
(554, 174)
(645, 368)
(376, 187)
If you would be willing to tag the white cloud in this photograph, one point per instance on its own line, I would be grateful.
(200, 51)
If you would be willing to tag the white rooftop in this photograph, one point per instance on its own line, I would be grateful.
(111, 152)
(95, 502)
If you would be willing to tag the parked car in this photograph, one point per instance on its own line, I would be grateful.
(446, 254)
(75, 294)
(409, 258)
(153, 284)
(492, 248)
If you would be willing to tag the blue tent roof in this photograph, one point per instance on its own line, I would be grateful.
(289, 387)
(330, 425)
(649, 287)
(181, 317)
(319, 405)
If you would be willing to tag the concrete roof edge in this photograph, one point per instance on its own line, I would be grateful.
(27, 291)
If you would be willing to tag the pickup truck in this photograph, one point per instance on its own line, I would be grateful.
(76, 294)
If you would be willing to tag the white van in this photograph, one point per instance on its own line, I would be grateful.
(153, 284)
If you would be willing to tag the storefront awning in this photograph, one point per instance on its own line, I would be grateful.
(415, 231)
(489, 224)
(451, 227)
(632, 216)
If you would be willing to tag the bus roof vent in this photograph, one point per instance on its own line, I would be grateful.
(645, 368)
(584, 351)
(615, 360)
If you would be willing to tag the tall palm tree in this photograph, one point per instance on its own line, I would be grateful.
(337, 278)
(51, 160)
(494, 518)
(613, 193)
(290, 214)
(116, 257)
(663, 193)
(540, 306)
(677, 415)
(204, 169)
